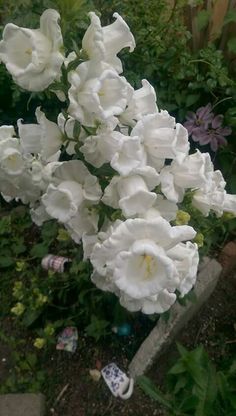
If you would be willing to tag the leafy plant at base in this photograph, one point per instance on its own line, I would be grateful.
(194, 386)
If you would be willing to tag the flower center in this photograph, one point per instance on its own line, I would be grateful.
(149, 265)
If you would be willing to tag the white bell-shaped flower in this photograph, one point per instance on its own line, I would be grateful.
(124, 153)
(161, 138)
(44, 138)
(33, 56)
(134, 261)
(97, 93)
(132, 193)
(104, 43)
(72, 184)
(188, 172)
(143, 102)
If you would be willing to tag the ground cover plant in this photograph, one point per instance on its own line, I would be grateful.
(110, 179)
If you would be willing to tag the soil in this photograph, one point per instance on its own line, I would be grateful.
(72, 392)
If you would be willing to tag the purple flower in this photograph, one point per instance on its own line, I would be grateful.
(200, 119)
(206, 128)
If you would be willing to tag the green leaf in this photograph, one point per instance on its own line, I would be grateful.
(31, 316)
(203, 19)
(5, 225)
(31, 358)
(153, 392)
(222, 385)
(232, 369)
(191, 99)
(189, 404)
(232, 399)
(97, 328)
(231, 45)
(6, 261)
(182, 351)
(230, 17)
(39, 250)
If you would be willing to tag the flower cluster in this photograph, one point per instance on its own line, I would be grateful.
(127, 164)
(206, 128)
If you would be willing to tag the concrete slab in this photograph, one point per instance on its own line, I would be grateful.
(22, 405)
(165, 332)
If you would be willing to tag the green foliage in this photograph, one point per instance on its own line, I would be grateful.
(194, 386)
(42, 299)
(27, 374)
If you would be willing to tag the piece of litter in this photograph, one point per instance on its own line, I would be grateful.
(67, 339)
(119, 384)
(55, 263)
(95, 374)
(122, 330)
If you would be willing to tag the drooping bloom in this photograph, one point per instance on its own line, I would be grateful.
(33, 56)
(144, 262)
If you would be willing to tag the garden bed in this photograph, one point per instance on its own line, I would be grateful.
(213, 327)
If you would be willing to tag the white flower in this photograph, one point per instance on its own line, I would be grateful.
(104, 43)
(134, 261)
(19, 187)
(184, 173)
(162, 207)
(32, 56)
(6, 132)
(186, 259)
(11, 159)
(124, 153)
(213, 196)
(44, 138)
(83, 223)
(97, 93)
(39, 215)
(143, 102)
(72, 185)
(132, 193)
(161, 138)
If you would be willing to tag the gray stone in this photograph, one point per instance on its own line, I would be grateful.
(22, 405)
(165, 332)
